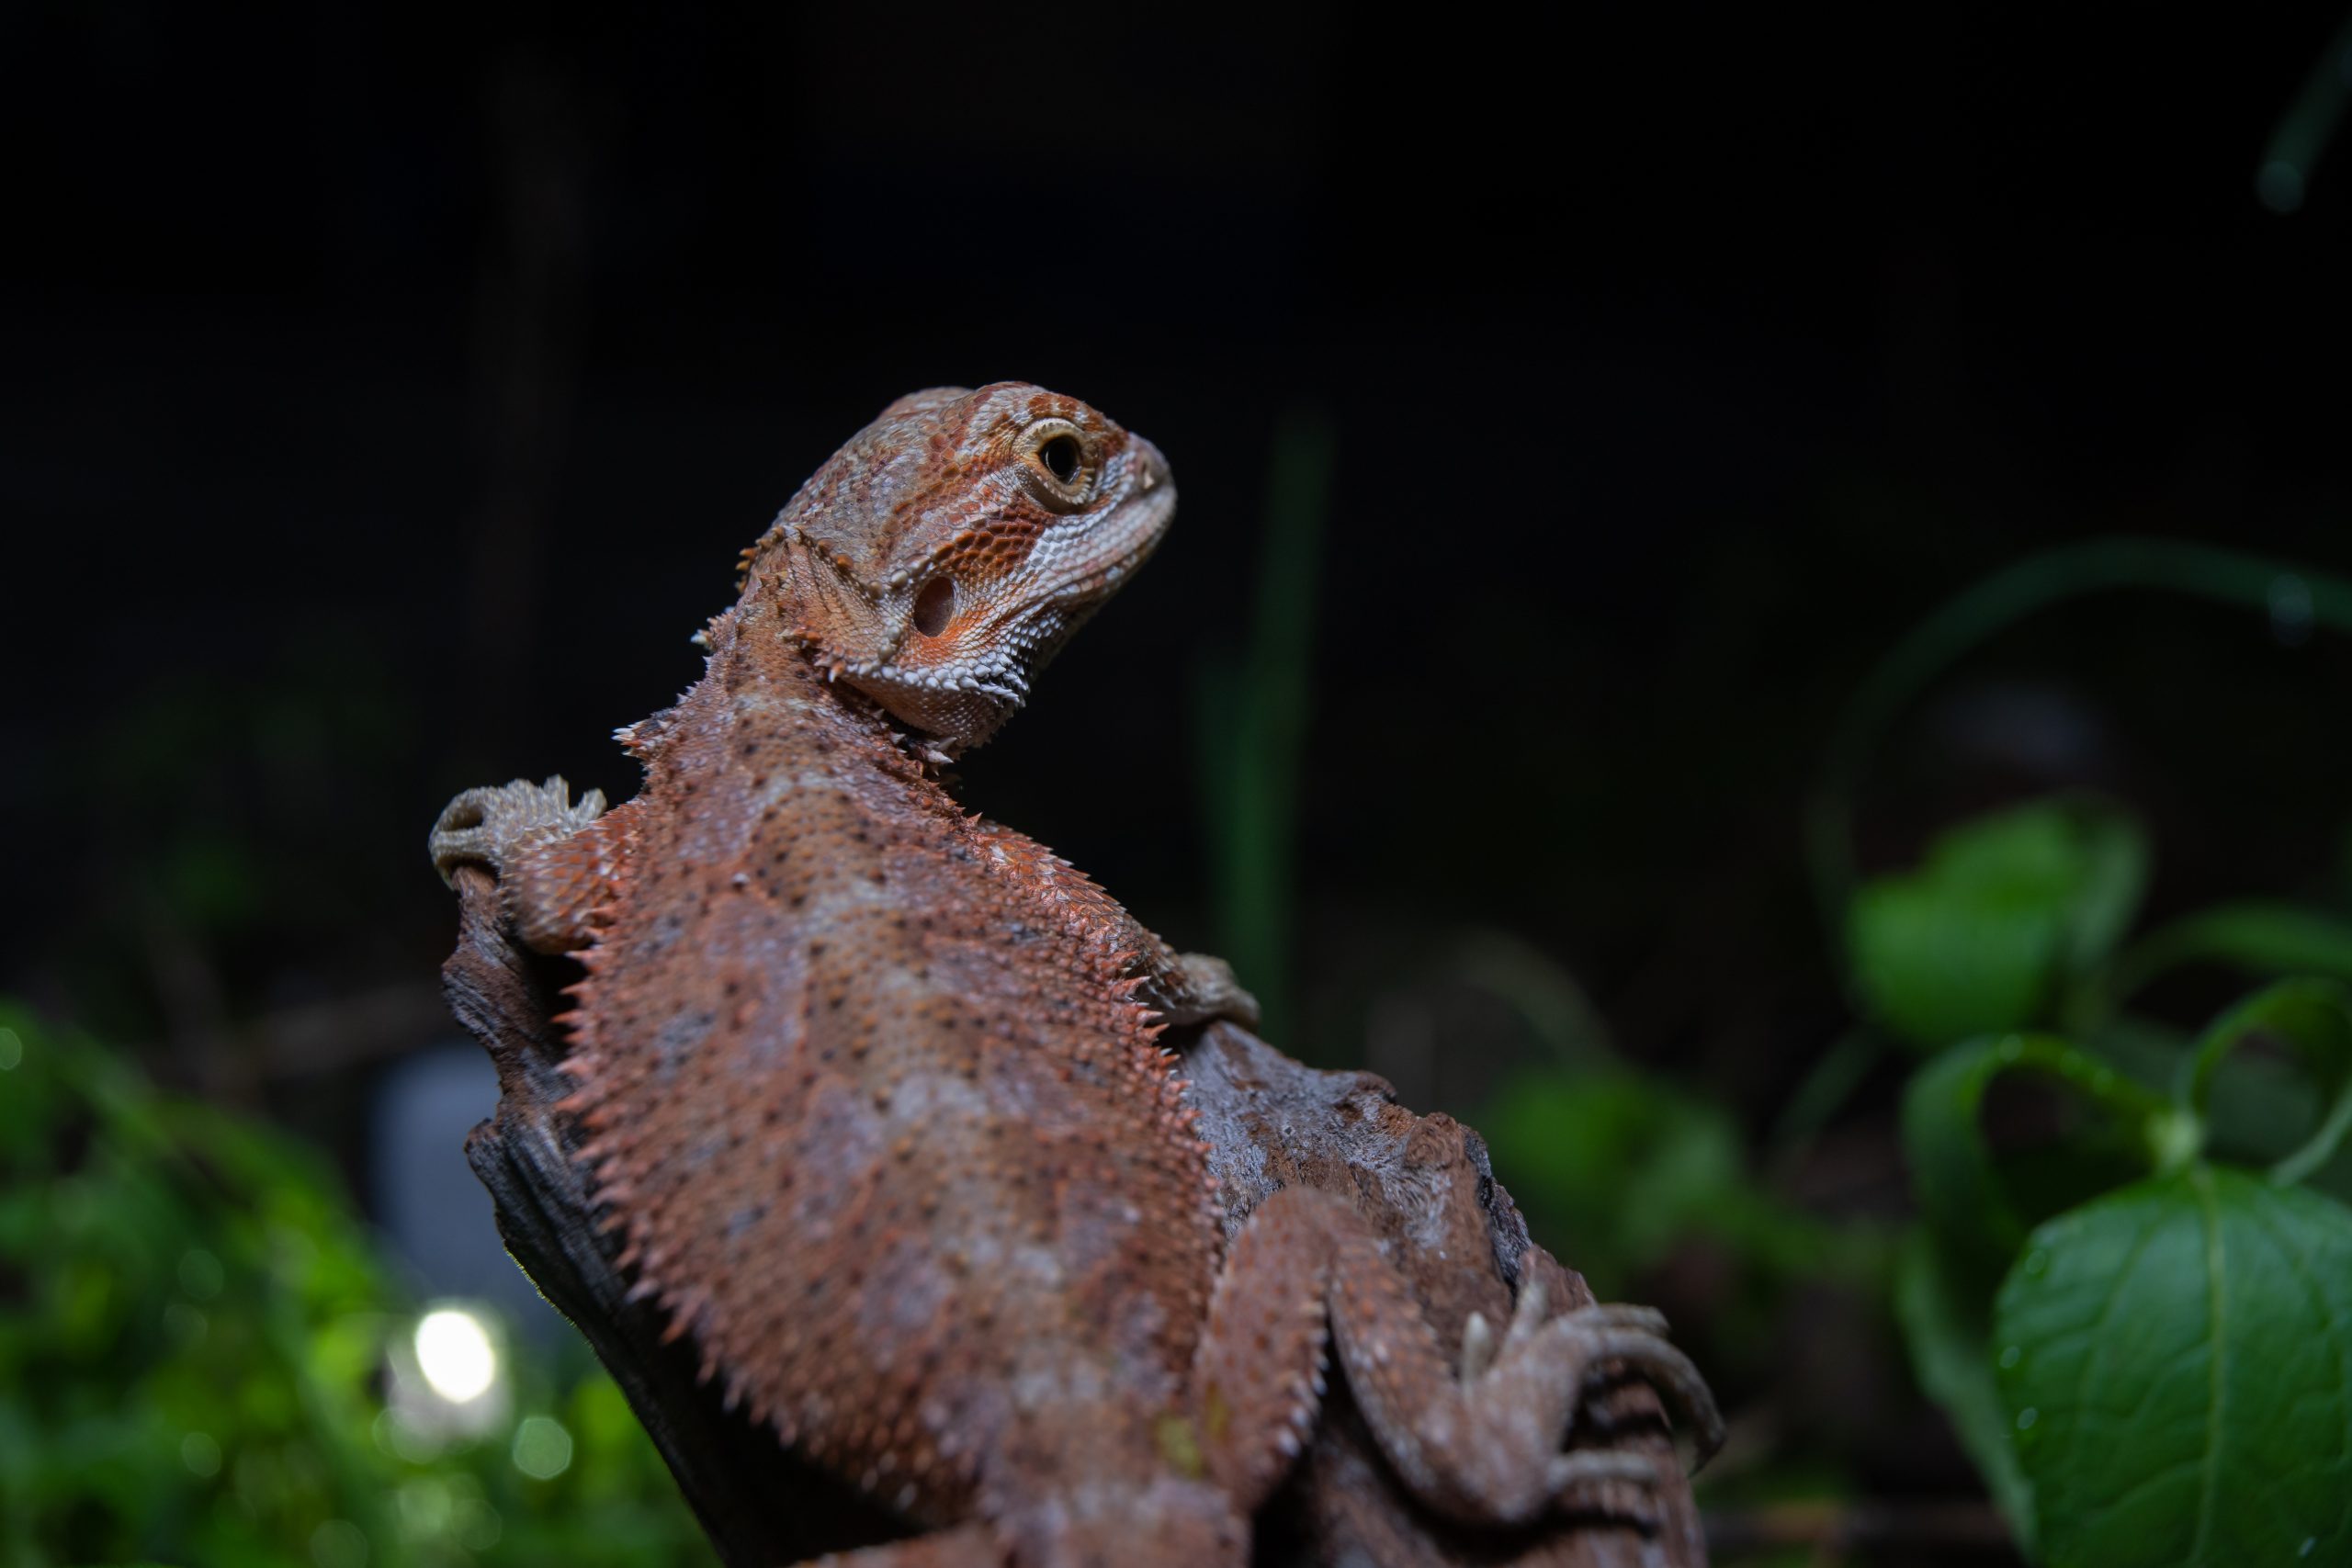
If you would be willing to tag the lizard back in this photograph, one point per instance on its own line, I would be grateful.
(923, 1158)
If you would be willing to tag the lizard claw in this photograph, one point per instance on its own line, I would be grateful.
(1635, 1336)
(486, 826)
(1478, 1348)
(1527, 1313)
(1572, 1352)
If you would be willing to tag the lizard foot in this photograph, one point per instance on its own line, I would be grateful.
(488, 826)
(1212, 990)
(1480, 1438)
(1575, 1351)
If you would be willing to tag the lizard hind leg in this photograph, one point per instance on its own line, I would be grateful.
(1485, 1445)
(1258, 1374)
(1578, 1347)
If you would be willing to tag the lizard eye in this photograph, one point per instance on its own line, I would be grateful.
(934, 604)
(1058, 464)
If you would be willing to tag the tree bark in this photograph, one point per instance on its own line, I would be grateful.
(1423, 1180)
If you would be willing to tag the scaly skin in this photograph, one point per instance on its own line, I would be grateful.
(875, 1087)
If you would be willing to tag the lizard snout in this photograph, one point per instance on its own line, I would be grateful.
(1152, 473)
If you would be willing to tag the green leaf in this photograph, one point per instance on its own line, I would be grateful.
(1945, 1325)
(2257, 938)
(2314, 1019)
(2176, 1362)
(1252, 720)
(1961, 1193)
(2003, 909)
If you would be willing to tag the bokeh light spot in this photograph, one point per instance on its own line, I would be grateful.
(453, 1352)
(479, 1525)
(542, 1447)
(2292, 610)
(200, 1454)
(426, 1511)
(2279, 187)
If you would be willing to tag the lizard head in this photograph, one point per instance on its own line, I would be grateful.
(943, 556)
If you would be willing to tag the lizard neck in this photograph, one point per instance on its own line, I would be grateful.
(766, 681)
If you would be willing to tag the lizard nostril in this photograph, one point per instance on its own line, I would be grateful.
(934, 605)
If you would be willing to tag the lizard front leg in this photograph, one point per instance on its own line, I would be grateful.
(1192, 988)
(1182, 988)
(1484, 1447)
(556, 863)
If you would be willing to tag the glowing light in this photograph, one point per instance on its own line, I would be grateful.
(453, 1352)
(542, 1447)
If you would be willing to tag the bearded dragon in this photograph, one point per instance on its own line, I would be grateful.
(876, 1089)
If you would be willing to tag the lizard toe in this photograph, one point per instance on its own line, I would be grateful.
(1622, 1485)
(1631, 1337)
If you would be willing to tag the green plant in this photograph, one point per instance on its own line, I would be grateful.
(2132, 1293)
(2147, 1348)
(1251, 716)
(196, 1351)
(2130, 1283)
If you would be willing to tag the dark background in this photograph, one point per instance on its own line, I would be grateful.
(388, 391)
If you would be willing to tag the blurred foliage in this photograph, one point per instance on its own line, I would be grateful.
(2303, 132)
(195, 1334)
(1996, 921)
(2146, 1350)
(1251, 721)
(2128, 1284)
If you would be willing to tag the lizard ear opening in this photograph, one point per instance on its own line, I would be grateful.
(934, 606)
